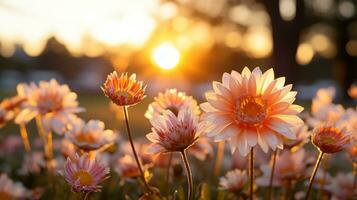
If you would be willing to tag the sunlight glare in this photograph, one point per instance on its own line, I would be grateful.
(166, 56)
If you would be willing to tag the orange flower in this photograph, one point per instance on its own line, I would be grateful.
(330, 138)
(122, 90)
(172, 100)
(9, 108)
(251, 108)
(302, 137)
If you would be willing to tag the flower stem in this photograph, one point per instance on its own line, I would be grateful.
(251, 173)
(86, 196)
(272, 174)
(47, 140)
(318, 162)
(189, 175)
(126, 115)
(219, 158)
(168, 172)
(24, 136)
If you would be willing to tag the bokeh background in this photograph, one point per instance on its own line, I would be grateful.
(182, 44)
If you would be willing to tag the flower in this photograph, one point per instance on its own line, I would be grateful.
(172, 100)
(89, 136)
(33, 163)
(201, 149)
(252, 108)
(330, 138)
(174, 133)
(302, 137)
(67, 148)
(353, 91)
(122, 90)
(341, 186)
(11, 190)
(55, 104)
(322, 108)
(84, 174)
(8, 108)
(127, 167)
(233, 181)
(289, 166)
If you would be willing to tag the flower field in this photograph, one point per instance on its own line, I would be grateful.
(247, 139)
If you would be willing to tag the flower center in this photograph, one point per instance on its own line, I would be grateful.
(87, 138)
(85, 178)
(124, 94)
(5, 195)
(173, 109)
(251, 110)
(49, 102)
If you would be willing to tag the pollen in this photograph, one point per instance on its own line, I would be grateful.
(251, 110)
(85, 178)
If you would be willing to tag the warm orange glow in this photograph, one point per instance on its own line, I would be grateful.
(304, 54)
(166, 56)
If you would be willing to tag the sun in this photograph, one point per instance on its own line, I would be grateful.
(166, 56)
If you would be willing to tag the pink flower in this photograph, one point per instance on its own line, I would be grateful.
(33, 163)
(89, 136)
(11, 190)
(302, 137)
(252, 108)
(84, 174)
(171, 100)
(341, 187)
(122, 90)
(126, 167)
(54, 103)
(322, 108)
(201, 149)
(330, 138)
(233, 181)
(9, 108)
(174, 133)
(289, 166)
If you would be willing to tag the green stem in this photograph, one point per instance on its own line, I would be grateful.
(251, 173)
(318, 162)
(125, 109)
(272, 174)
(189, 175)
(86, 196)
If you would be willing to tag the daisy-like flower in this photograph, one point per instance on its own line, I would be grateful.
(5, 116)
(33, 163)
(353, 91)
(233, 181)
(124, 90)
(8, 108)
(289, 166)
(302, 137)
(126, 167)
(89, 136)
(171, 100)
(323, 109)
(251, 108)
(55, 104)
(84, 174)
(10, 190)
(330, 138)
(67, 148)
(174, 133)
(341, 187)
(201, 149)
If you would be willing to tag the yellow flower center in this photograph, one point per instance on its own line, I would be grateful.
(251, 110)
(5, 195)
(85, 178)
(87, 138)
